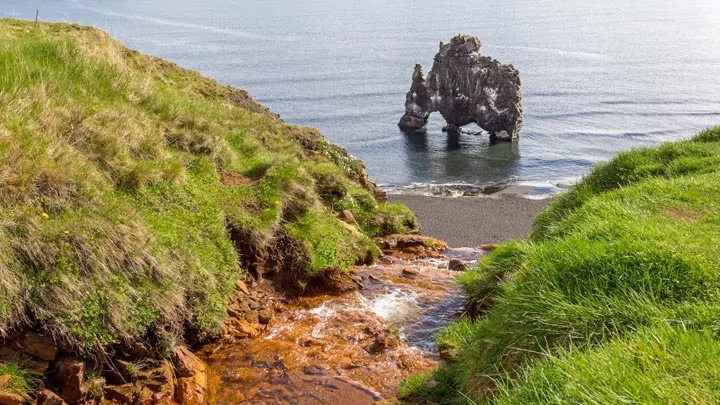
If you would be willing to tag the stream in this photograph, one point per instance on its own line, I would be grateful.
(353, 348)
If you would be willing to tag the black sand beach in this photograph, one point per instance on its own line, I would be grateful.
(471, 221)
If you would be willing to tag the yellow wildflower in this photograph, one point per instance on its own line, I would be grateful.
(45, 215)
(66, 232)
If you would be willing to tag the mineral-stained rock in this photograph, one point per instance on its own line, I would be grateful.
(47, 397)
(8, 398)
(192, 377)
(121, 394)
(191, 390)
(187, 364)
(466, 87)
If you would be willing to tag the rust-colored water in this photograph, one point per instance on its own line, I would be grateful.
(350, 349)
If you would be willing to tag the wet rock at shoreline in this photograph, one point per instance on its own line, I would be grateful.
(466, 87)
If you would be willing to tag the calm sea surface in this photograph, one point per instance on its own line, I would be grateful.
(598, 76)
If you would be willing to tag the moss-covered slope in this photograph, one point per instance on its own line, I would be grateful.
(134, 192)
(614, 299)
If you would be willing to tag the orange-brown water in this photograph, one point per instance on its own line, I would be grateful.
(350, 349)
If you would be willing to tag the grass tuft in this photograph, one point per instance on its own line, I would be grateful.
(22, 381)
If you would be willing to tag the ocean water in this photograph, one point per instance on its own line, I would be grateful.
(598, 77)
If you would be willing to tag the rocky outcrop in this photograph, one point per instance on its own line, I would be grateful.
(466, 87)
(411, 247)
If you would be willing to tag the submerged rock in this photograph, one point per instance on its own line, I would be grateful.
(466, 87)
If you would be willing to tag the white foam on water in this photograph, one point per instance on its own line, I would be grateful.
(395, 306)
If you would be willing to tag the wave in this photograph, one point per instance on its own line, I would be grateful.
(173, 23)
(530, 189)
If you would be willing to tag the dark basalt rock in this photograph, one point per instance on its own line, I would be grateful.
(466, 87)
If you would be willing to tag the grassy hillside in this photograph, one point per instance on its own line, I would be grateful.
(613, 299)
(134, 193)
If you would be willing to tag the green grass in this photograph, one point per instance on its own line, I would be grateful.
(22, 381)
(608, 268)
(660, 365)
(114, 218)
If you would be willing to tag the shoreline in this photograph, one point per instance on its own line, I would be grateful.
(472, 221)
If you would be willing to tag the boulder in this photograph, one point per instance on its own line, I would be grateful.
(121, 394)
(9, 398)
(191, 390)
(42, 347)
(71, 375)
(192, 377)
(4, 379)
(187, 364)
(47, 397)
(466, 87)
(161, 380)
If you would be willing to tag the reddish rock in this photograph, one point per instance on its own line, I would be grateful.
(411, 247)
(265, 316)
(187, 364)
(9, 398)
(47, 397)
(244, 326)
(42, 347)
(121, 394)
(235, 311)
(383, 341)
(252, 317)
(145, 397)
(191, 390)
(409, 272)
(70, 375)
(8, 354)
(161, 382)
(241, 286)
(4, 379)
(192, 381)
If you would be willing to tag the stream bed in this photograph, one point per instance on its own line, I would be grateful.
(353, 348)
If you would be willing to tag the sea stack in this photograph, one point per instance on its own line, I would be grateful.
(466, 87)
